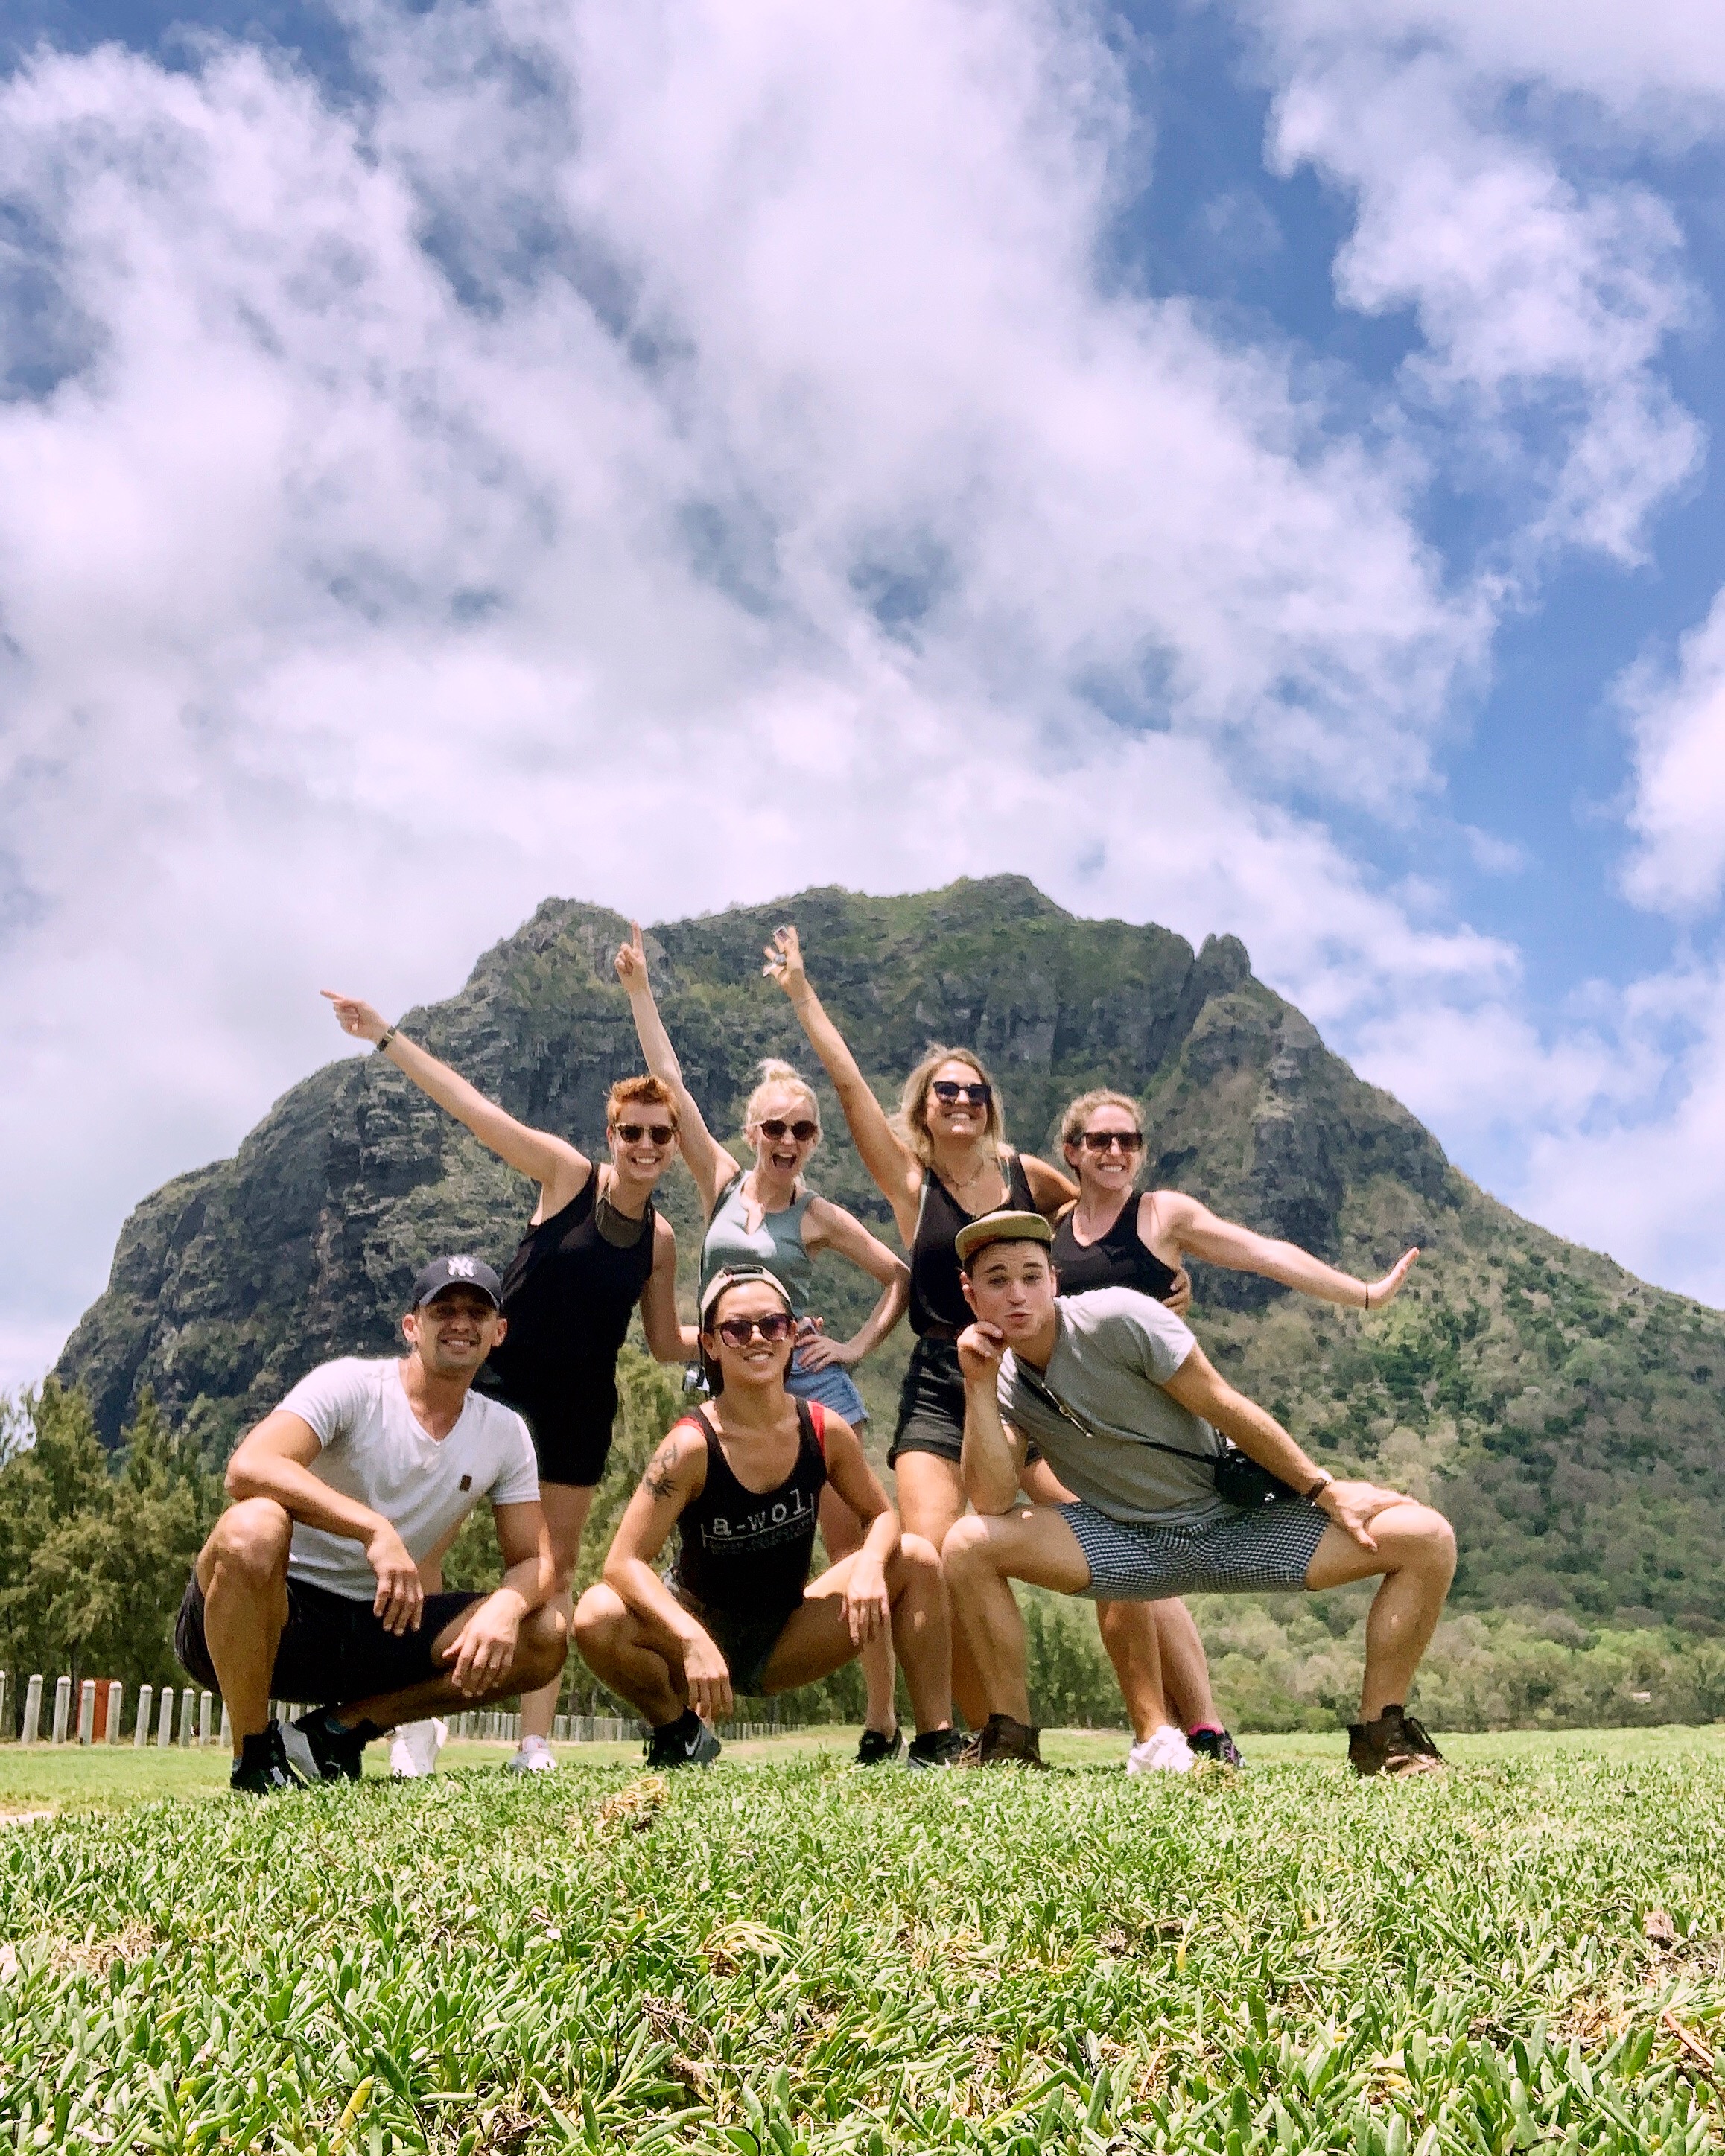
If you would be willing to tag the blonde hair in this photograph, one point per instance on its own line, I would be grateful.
(911, 1120)
(643, 1091)
(1085, 1106)
(779, 1076)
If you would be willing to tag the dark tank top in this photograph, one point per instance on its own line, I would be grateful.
(569, 1295)
(1116, 1260)
(747, 1551)
(937, 1304)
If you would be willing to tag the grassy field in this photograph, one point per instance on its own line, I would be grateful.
(783, 1955)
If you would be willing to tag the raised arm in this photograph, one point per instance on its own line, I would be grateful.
(1201, 1234)
(829, 1227)
(674, 1477)
(553, 1163)
(886, 1157)
(709, 1163)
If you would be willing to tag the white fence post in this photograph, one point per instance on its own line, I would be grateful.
(141, 1735)
(116, 1708)
(227, 1725)
(5, 1725)
(206, 1718)
(62, 1709)
(188, 1707)
(33, 1711)
(86, 1711)
(165, 1718)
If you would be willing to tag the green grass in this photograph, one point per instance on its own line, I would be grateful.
(783, 1955)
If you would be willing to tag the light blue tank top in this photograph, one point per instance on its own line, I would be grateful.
(777, 1244)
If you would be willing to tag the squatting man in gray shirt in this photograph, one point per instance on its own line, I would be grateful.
(312, 1584)
(1116, 1394)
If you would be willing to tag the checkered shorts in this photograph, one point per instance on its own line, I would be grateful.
(1263, 1551)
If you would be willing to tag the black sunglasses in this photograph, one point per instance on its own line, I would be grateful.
(949, 1092)
(1105, 1141)
(776, 1325)
(802, 1129)
(632, 1133)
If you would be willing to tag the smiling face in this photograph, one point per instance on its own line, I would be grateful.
(1112, 1173)
(756, 1363)
(454, 1333)
(644, 1141)
(961, 1121)
(1012, 1285)
(782, 1154)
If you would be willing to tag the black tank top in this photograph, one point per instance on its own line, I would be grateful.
(937, 1303)
(747, 1551)
(569, 1295)
(1116, 1260)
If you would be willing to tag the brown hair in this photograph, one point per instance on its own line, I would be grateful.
(643, 1091)
(777, 1076)
(1085, 1106)
(911, 1120)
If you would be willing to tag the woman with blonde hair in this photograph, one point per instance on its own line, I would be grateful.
(595, 1251)
(766, 1215)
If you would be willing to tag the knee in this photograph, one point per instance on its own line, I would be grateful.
(966, 1546)
(916, 1564)
(544, 1643)
(251, 1539)
(1438, 1540)
(597, 1614)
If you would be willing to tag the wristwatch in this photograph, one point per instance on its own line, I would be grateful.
(1322, 1483)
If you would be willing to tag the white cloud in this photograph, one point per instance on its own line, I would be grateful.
(1677, 726)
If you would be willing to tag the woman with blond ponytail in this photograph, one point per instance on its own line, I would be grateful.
(766, 1215)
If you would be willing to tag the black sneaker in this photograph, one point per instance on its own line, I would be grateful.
(1396, 1744)
(687, 1742)
(262, 1769)
(1003, 1741)
(1216, 1746)
(939, 1747)
(319, 1753)
(874, 1750)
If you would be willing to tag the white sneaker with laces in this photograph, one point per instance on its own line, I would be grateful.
(535, 1757)
(413, 1747)
(1164, 1751)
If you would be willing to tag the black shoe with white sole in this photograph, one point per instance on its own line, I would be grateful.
(874, 1750)
(319, 1750)
(937, 1747)
(262, 1768)
(687, 1742)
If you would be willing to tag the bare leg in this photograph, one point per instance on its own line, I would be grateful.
(636, 1657)
(1131, 1635)
(538, 1660)
(842, 1533)
(242, 1573)
(567, 1506)
(1185, 1668)
(931, 1501)
(1416, 1555)
(983, 1556)
(817, 1639)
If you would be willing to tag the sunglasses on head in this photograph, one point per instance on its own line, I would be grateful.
(949, 1092)
(775, 1126)
(632, 1133)
(1105, 1141)
(776, 1325)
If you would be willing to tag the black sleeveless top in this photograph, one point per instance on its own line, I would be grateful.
(1116, 1260)
(747, 1551)
(937, 1304)
(569, 1295)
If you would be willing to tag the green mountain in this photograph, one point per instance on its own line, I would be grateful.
(1565, 1413)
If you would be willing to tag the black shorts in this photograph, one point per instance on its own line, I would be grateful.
(745, 1639)
(570, 1445)
(333, 1650)
(931, 1403)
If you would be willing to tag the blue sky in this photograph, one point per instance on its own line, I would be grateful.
(1250, 466)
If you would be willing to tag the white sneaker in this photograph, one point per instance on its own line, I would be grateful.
(535, 1757)
(413, 1747)
(1163, 1751)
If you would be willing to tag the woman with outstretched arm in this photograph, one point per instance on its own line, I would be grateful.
(595, 1251)
(766, 1215)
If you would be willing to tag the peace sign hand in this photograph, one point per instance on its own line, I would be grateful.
(354, 1015)
(631, 960)
(784, 962)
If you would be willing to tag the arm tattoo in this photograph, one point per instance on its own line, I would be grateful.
(661, 1475)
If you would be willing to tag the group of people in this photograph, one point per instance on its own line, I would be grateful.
(1058, 1424)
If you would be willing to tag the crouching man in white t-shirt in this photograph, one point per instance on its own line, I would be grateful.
(310, 1587)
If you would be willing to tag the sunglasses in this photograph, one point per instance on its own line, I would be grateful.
(776, 1325)
(1129, 1142)
(802, 1129)
(949, 1092)
(632, 1133)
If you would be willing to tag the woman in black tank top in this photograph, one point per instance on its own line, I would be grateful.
(941, 1162)
(595, 1251)
(740, 1482)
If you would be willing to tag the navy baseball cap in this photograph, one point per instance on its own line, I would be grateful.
(459, 1271)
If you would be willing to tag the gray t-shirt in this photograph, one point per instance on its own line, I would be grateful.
(375, 1451)
(1114, 1351)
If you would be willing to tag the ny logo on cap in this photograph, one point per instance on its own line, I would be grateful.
(461, 1268)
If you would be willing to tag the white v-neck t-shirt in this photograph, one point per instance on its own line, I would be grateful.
(375, 1451)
